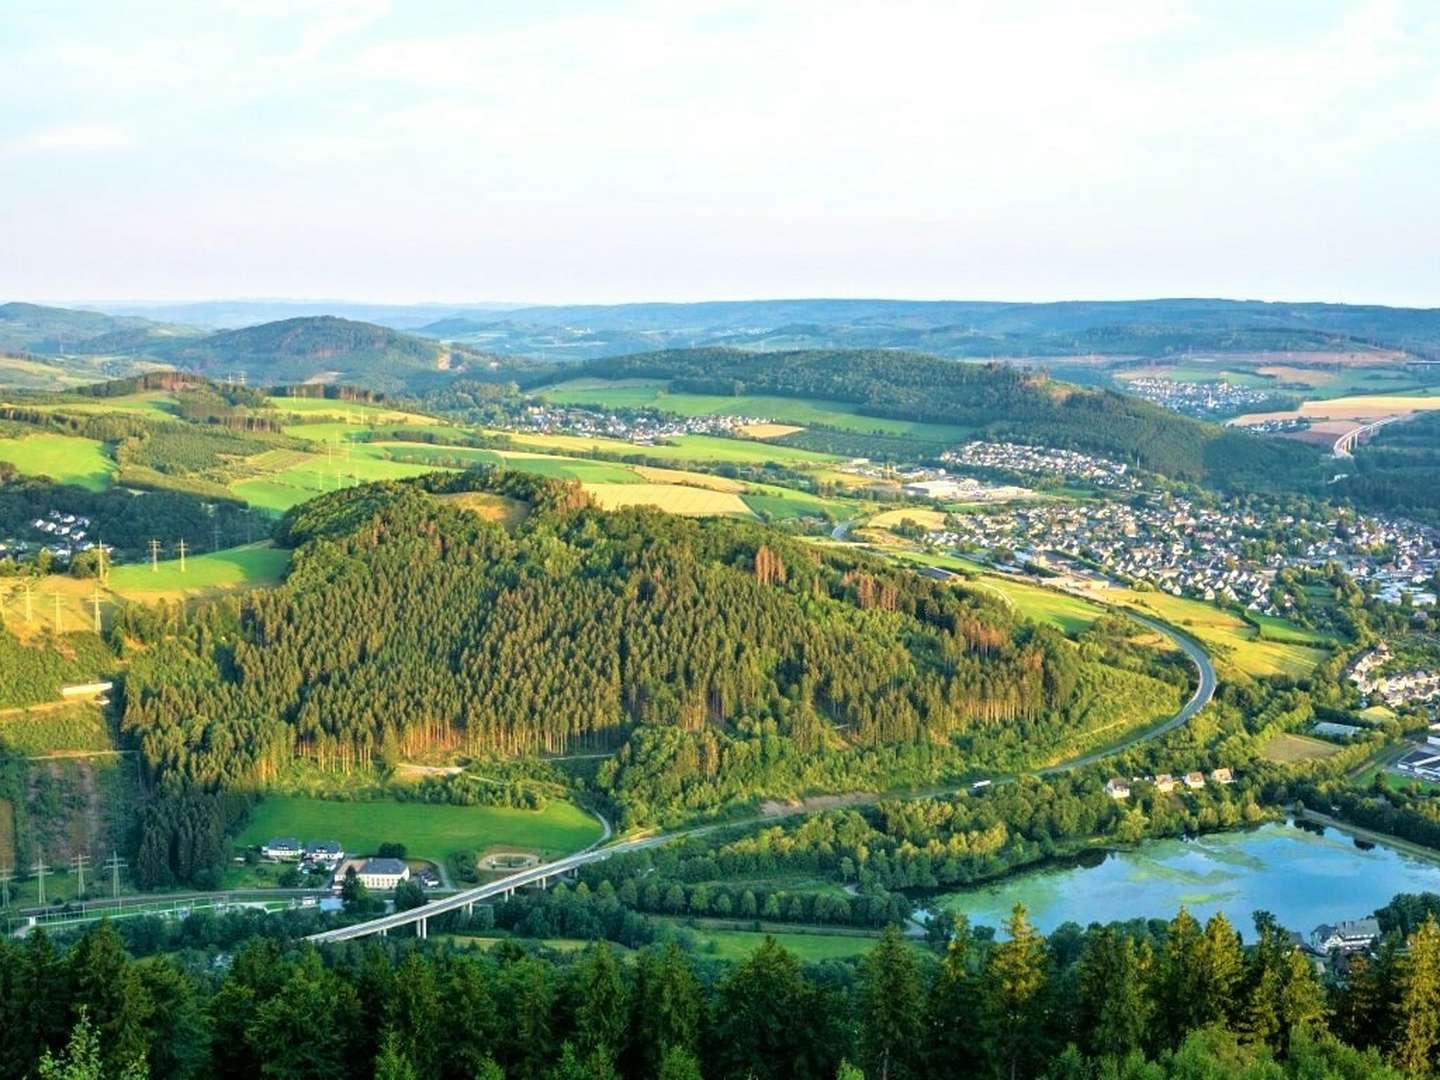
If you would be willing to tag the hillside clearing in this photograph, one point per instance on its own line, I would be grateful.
(672, 498)
(1288, 748)
(497, 508)
(244, 567)
(428, 831)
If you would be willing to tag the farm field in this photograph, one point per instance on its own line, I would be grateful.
(708, 448)
(1230, 639)
(888, 519)
(432, 453)
(158, 404)
(800, 412)
(247, 566)
(1277, 629)
(352, 412)
(428, 831)
(780, 504)
(672, 498)
(1288, 749)
(813, 947)
(563, 468)
(1360, 407)
(66, 459)
(316, 474)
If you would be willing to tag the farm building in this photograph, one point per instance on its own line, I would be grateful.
(383, 873)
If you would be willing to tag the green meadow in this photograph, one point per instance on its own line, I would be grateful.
(66, 459)
(247, 566)
(428, 830)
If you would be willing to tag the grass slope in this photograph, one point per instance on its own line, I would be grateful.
(247, 566)
(66, 459)
(428, 831)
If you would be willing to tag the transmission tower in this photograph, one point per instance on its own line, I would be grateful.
(80, 862)
(29, 592)
(115, 864)
(6, 876)
(56, 598)
(41, 870)
(95, 606)
(154, 556)
(182, 549)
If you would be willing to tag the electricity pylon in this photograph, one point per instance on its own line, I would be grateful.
(80, 862)
(41, 870)
(182, 549)
(154, 556)
(114, 864)
(95, 606)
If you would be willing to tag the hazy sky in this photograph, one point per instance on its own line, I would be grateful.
(551, 151)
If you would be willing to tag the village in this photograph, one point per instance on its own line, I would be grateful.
(642, 427)
(1395, 689)
(1042, 461)
(1227, 553)
(61, 534)
(1206, 399)
(382, 872)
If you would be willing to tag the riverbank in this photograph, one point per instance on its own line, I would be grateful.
(1407, 847)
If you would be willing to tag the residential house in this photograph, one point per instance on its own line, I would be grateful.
(1165, 783)
(1222, 776)
(1351, 935)
(1117, 788)
(1194, 780)
(383, 873)
(282, 847)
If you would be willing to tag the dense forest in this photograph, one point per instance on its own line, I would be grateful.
(724, 660)
(1134, 1001)
(1001, 401)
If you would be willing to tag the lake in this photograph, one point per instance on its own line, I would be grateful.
(1302, 878)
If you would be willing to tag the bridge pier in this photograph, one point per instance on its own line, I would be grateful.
(421, 929)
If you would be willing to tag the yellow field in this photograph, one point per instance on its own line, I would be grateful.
(1288, 373)
(1231, 640)
(1359, 407)
(693, 479)
(929, 519)
(1288, 749)
(768, 431)
(672, 498)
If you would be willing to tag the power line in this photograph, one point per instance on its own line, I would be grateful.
(41, 870)
(80, 862)
(115, 864)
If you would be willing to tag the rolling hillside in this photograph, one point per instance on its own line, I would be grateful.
(321, 349)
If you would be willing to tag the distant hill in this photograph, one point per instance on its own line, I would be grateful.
(34, 328)
(962, 329)
(999, 400)
(232, 314)
(322, 349)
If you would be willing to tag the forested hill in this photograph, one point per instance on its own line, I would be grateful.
(35, 328)
(320, 348)
(724, 660)
(1000, 400)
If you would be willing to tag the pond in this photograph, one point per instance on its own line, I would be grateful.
(1302, 877)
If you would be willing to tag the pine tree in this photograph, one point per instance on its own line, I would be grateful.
(1014, 981)
(1114, 1003)
(891, 1009)
(1418, 1013)
(601, 1001)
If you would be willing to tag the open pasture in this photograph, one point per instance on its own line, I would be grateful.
(503, 511)
(66, 459)
(244, 567)
(672, 498)
(706, 448)
(428, 830)
(1231, 640)
(1288, 748)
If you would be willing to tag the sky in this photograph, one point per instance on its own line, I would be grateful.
(552, 151)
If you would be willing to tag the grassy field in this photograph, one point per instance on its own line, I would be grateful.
(497, 508)
(247, 566)
(707, 448)
(928, 519)
(1071, 614)
(1288, 749)
(1231, 640)
(431, 452)
(318, 473)
(1277, 629)
(672, 498)
(66, 459)
(811, 947)
(563, 468)
(428, 831)
(350, 412)
(801, 412)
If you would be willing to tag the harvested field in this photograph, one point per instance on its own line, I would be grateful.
(768, 431)
(672, 498)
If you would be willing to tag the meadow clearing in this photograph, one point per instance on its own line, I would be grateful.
(428, 830)
(66, 459)
(1287, 748)
(243, 567)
